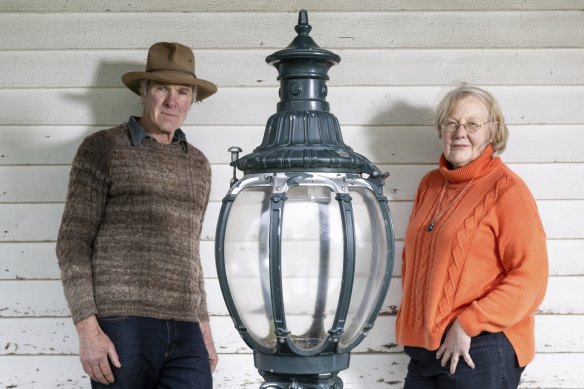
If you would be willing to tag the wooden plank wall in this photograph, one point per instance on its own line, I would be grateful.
(60, 65)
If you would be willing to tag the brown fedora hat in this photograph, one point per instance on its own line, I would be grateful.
(171, 63)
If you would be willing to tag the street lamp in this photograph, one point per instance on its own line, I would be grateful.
(304, 245)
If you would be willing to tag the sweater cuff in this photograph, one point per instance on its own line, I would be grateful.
(202, 314)
(82, 309)
(470, 321)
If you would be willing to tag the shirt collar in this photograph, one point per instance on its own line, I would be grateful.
(138, 134)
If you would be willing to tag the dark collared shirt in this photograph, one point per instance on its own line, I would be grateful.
(138, 134)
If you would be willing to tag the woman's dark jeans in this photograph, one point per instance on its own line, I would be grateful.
(161, 354)
(495, 362)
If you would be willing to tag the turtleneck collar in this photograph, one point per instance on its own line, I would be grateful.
(477, 168)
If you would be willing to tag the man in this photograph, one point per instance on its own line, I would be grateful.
(128, 246)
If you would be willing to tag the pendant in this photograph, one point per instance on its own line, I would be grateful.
(430, 227)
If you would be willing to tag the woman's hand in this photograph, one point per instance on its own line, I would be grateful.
(456, 344)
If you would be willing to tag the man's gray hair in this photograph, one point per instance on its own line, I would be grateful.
(146, 84)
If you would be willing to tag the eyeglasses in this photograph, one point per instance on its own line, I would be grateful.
(470, 127)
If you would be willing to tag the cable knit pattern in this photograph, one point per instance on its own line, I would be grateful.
(462, 239)
(484, 263)
(129, 237)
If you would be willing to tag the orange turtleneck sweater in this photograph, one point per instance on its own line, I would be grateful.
(484, 262)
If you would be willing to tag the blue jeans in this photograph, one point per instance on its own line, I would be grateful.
(496, 366)
(161, 354)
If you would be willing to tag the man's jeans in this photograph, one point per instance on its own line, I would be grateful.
(495, 362)
(161, 354)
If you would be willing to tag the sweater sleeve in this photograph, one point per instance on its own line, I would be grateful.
(84, 207)
(203, 314)
(521, 248)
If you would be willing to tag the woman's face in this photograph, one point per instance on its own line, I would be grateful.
(460, 147)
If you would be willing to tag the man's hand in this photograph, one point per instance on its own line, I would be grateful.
(208, 337)
(96, 350)
(456, 343)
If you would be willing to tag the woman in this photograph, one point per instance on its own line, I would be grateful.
(475, 261)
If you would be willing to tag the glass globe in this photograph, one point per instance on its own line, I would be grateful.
(329, 232)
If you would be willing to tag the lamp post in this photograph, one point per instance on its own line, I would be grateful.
(304, 245)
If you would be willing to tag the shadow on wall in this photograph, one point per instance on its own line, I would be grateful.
(106, 103)
(400, 140)
(403, 133)
(40, 141)
(52, 133)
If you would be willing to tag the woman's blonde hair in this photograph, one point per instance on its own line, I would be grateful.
(499, 130)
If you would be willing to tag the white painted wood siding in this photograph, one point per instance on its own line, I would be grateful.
(60, 68)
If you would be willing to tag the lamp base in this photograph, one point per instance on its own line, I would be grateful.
(296, 365)
(310, 381)
(301, 372)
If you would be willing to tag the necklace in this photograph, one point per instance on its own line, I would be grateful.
(438, 215)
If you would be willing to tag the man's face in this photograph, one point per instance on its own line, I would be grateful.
(166, 107)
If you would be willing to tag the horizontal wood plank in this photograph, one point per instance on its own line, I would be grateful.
(57, 336)
(565, 257)
(37, 261)
(28, 261)
(374, 371)
(280, 5)
(40, 222)
(371, 106)
(35, 184)
(383, 145)
(104, 68)
(474, 29)
(45, 298)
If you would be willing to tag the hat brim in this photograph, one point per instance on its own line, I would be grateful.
(204, 88)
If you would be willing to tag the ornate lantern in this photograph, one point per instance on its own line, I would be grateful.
(304, 245)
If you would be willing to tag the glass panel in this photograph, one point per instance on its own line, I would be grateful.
(312, 263)
(246, 262)
(370, 261)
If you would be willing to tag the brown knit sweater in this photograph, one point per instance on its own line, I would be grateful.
(129, 237)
